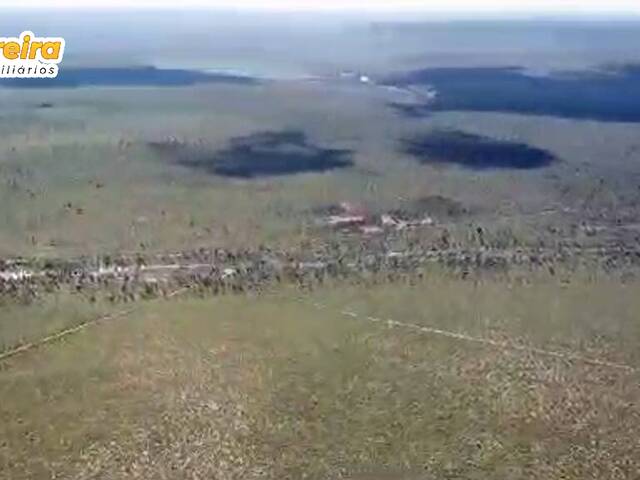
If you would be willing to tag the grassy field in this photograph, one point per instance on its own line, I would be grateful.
(319, 385)
(68, 186)
(20, 324)
(270, 387)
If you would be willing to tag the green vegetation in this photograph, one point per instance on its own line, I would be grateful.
(270, 387)
(78, 178)
(20, 324)
(266, 386)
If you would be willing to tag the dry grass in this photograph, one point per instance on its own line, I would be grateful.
(233, 387)
(21, 324)
(52, 157)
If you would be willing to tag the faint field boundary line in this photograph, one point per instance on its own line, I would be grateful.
(77, 328)
(503, 345)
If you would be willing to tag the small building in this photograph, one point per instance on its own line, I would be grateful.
(339, 221)
(371, 230)
(388, 221)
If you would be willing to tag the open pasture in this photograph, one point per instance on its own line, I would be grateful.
(271, 387)
(78, 174)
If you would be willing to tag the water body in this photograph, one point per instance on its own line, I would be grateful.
(441, 147)
(126, 77)
(261, 154)
(610, 94)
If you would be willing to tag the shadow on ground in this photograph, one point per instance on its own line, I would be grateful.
(147, 76)
(269, 153)
(474, 151)
(610, 94)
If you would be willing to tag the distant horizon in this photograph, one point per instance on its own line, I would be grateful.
(407, 16)
(501, 9)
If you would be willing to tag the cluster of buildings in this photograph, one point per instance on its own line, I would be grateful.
(355, 219)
